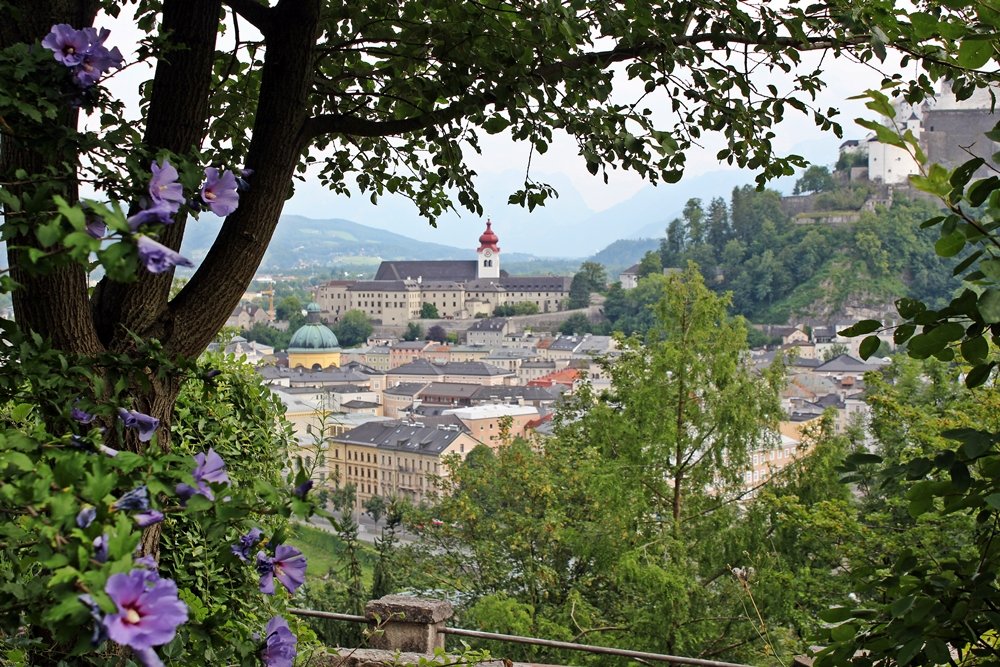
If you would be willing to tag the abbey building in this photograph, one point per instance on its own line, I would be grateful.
(459, 289)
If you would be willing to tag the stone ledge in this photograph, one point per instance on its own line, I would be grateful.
(366, 657)
(405, 609)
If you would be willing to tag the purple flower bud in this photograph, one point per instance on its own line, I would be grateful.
(158, 214)
(99, 634)
(96, 227)
(101, 548)
(147, 562)
(157, 257)
(148, 518)
(86, 516)
(136, 500)
(149, 612)
(247, 542)
(219, 193)
(279, 645)
(212, 373)
(302, 489)
(143, 423)
(81, 416)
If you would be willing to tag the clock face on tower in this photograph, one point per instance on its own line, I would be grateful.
(487, 253)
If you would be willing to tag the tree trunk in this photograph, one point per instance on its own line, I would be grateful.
(56, 305)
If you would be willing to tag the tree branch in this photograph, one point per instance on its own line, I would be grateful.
(257, 14)
(360, 127)
(202, 307)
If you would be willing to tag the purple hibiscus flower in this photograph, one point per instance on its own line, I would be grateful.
(86, 516)
(148, 518)
(68, 45)
(288, 565)
(97, 60)
(149, 612)
(219, 193)
(247, 542)
(209, 469)
(157, 257)
(164, 188)
(279, 644)
(143, 423)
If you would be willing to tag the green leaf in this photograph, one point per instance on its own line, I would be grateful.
(980, 191)
(950, 245)
(979, 375)
(903, 333)
(909, 308)
(974, 53)
(869, 346)
(975, 350)
(861, 328)
(924, 25)
(989, 305)
(49, 233)
(879, 103)
(963, 173)
(843, 632)
(836, 614)
(990, 268)
(18, 460)
(909, 651)
(948, 332)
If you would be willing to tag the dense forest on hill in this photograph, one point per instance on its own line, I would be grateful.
(780, 270)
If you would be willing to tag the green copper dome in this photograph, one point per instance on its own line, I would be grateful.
(313, 336)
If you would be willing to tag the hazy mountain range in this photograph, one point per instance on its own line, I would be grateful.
(565, 229)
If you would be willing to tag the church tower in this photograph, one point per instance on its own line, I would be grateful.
(489, 254)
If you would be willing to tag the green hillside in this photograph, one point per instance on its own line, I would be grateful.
(781, 269)
(302, 242)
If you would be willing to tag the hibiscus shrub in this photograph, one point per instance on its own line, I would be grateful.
(174, 552)
(76, 504)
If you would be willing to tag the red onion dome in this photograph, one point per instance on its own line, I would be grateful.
(489, 238)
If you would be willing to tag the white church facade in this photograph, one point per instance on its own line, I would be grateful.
(459, 289)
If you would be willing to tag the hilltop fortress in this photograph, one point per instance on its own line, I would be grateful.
(949, 131)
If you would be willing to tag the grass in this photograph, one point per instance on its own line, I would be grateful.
(326, 553)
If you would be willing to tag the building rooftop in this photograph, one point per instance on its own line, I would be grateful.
(489, 324)
(398, 435)
(449, 390)
(433, 270)
(492, 411)
(406, 389)
(470, 368)
(509, 393)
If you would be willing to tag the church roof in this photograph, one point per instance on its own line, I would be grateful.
(458, 269)
(313, 336)
(537, 283)
(488, 239)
